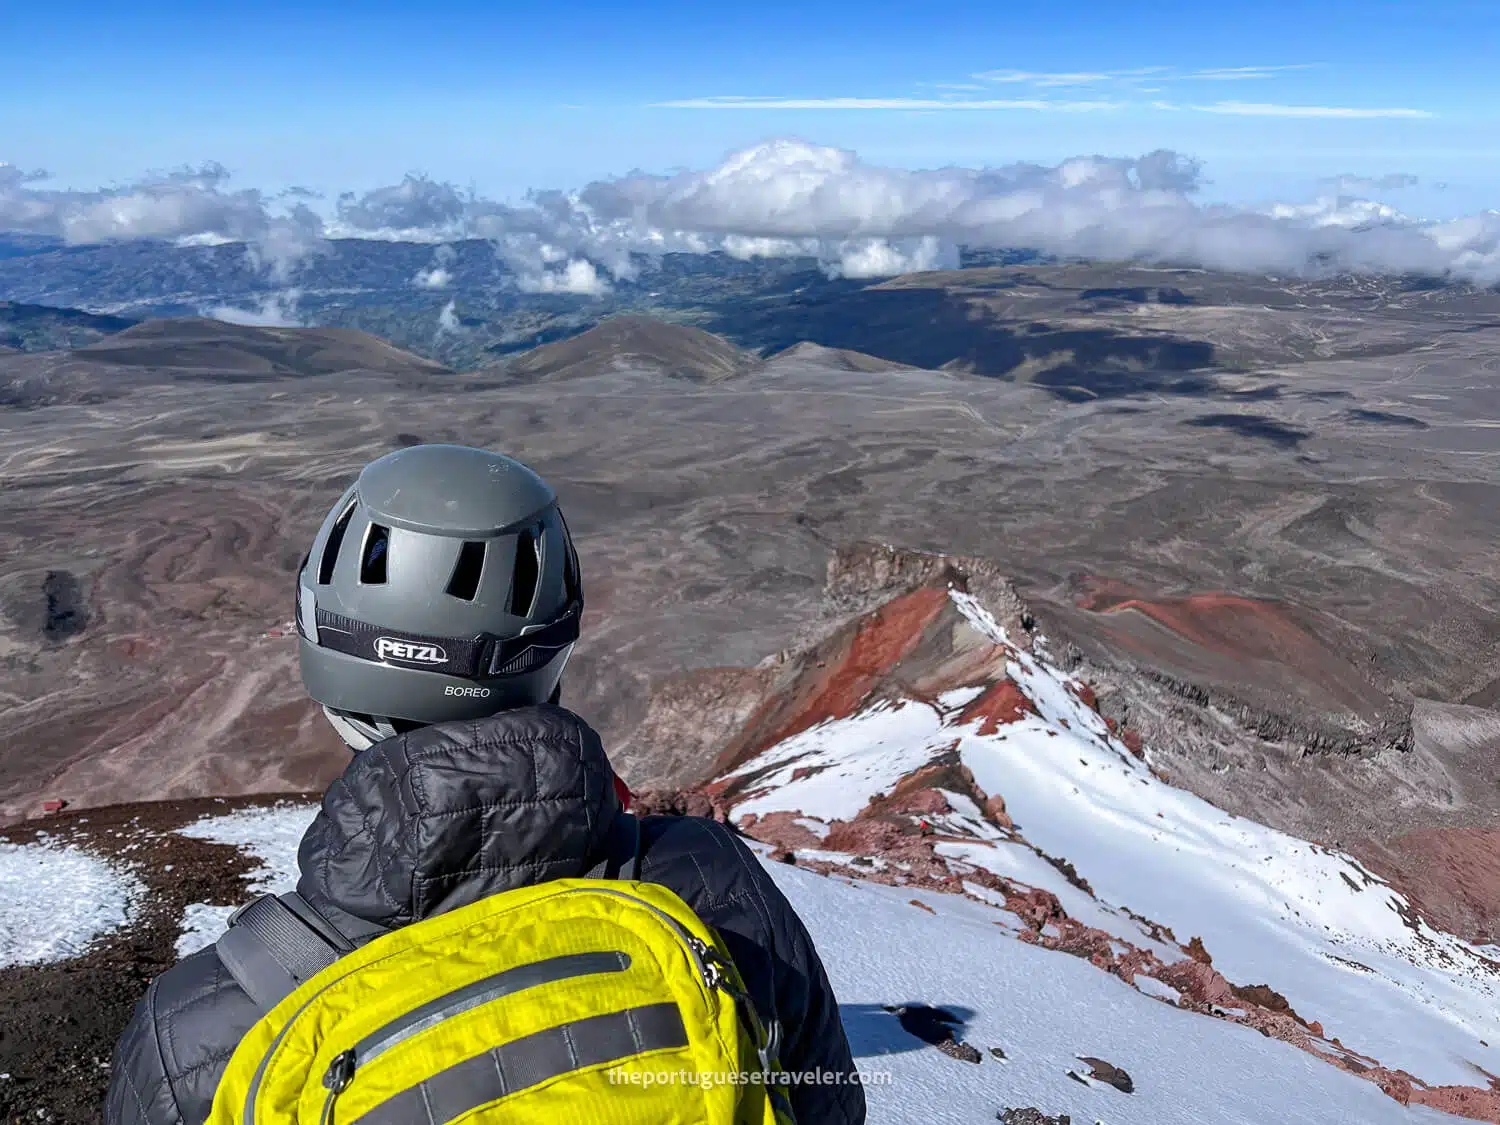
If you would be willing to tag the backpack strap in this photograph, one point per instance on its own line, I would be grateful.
(276, 942)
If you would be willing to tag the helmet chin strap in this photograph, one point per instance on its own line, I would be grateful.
(359, 735)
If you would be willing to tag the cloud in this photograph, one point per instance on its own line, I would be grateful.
(437, 275)
(1239, 73)
(1350, 185)
(190, 205)
(1036, 79)
(879, 257)
(737, 102)
(448, 319)
(276, 310)
(1139, 74)
(792, 198)
(1266, 109)
(416, 209)
(578, 276)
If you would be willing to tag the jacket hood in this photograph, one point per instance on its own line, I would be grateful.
(445, 815)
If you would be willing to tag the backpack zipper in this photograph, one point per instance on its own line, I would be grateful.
(340, 1073)
(712, 968)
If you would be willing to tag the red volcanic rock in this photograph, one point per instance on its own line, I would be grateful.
(1264, 996)
(836, 679)
(1451, 876)
(1473, 1102)
(54, 806)
(1199, 982)
(1133, 742)
(782, 830)
(1196, 950)
(994, 809)
(1003, 702)
(1085, 694)
(675, 802)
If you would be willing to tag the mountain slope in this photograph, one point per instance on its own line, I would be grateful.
(678, 350)
(200, 343)
(953, 1013)
(962, 829)
(39, 328)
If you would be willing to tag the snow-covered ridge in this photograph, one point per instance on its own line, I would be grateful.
(1058, 804)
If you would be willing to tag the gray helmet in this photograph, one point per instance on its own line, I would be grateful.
(442, 585)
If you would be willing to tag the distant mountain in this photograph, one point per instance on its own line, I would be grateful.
(678, 350)
(839, 359)
(42, 328)
(198, 343)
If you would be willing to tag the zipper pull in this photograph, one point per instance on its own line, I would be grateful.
(336, 1079)
(708, 960)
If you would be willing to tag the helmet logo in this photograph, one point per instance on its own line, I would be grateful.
(417, 652)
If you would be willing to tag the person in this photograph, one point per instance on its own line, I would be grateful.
(436, 612)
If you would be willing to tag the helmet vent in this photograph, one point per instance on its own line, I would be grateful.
(528, 570)
(572, 580)
(331, 548)
(465, 581)
(372, 561)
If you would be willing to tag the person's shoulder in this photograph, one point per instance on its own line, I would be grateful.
(198, 1008)
(693, 853)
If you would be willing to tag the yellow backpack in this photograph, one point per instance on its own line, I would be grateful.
(583, 1001)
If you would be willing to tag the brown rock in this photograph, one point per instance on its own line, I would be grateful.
(1109, 1073)
(1003, 702)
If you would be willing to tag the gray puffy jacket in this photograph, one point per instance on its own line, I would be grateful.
(443, 816)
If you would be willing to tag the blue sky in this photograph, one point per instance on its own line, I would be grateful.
(334, 97)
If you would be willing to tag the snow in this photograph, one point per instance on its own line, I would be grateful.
(1045, 1009)
(271, 836)
(1271, 909)
(979, 617)
(851, 760)
(816, 827)
(58, 901)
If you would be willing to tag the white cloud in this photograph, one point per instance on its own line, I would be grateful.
(1392, 181)
(276, 310)
(1138, 74)
(879, 257)
(448, 318)
(789, 197)
(1241, 73)
(1267, 109)
(578, 276)
(437, 275)
(1337, 211)
(1037, 79)
(736, 102)
(416, 209)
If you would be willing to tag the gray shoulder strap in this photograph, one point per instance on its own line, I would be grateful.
(626, 842)
(275, 943)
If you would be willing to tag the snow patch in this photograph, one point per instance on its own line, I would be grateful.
(59, 900)
(979, 617)
(1043, 1010)
(271, 836)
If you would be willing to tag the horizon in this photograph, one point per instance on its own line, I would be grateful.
(876, 138)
